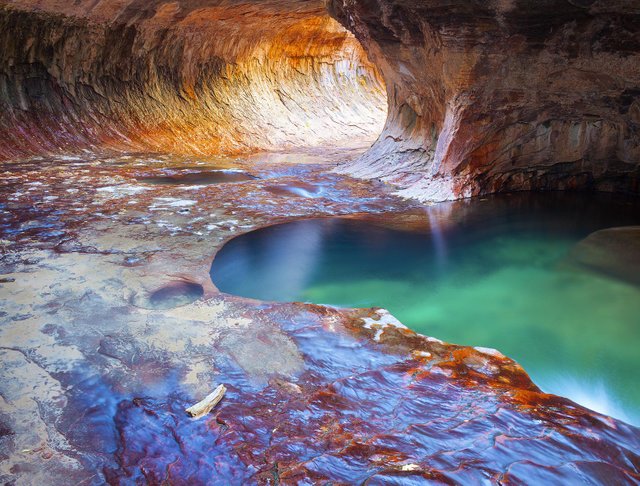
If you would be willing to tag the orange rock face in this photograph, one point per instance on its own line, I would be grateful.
(181, 77)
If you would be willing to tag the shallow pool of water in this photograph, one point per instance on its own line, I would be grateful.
(486, 272)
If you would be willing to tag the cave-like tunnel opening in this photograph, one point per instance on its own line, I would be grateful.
(470, 111)
(184, 78)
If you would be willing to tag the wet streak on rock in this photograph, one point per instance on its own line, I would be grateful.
(197, 178)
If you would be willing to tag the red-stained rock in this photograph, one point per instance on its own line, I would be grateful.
(358, 413)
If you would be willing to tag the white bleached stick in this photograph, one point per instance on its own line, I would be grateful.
(202, 408)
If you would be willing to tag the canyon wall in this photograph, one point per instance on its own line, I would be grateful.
(188, 77)
(483, 96)
(504, 94)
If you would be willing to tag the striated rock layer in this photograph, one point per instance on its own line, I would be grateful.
(483, 96)
(504, 94)
(180, 77)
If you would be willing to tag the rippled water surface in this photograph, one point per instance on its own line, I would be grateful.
(491, 272)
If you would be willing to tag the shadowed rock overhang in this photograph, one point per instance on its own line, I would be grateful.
(503, 95)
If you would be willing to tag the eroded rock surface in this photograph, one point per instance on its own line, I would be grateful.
(94, 385)
(614, 252)
(483, 96)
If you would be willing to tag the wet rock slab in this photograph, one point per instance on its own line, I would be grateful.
(407, 409)
(110, 328)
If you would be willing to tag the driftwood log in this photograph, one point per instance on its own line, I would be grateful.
(205, 406)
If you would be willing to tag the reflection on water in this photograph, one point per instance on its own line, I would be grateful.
(488, 273)
(300, 189)
(292, 259)
(437, 236)
(175, 178)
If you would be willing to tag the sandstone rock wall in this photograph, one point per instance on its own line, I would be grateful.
(504, 94)
(483, 96)
(185, 77)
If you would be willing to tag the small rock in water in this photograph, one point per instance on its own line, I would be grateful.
(614, 252)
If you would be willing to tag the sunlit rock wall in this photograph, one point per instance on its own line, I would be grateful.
(483, 96)
(189, 76)
(504, 94)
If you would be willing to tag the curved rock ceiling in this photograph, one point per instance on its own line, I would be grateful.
(181, 77)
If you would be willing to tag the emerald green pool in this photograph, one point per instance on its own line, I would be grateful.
(488, 272)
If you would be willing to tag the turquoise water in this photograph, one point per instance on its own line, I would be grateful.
(489, 272)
